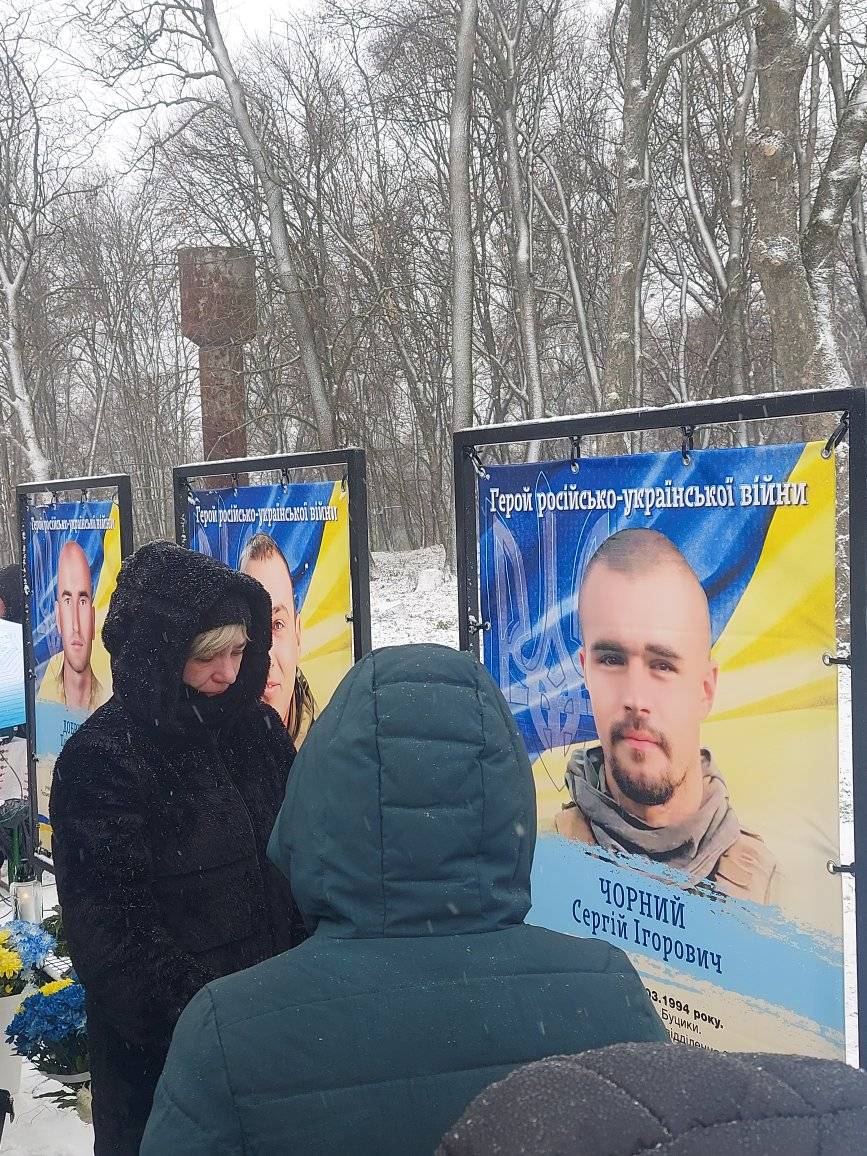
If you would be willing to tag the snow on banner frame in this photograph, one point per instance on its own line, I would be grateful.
(684, 419)
(55, 487)
(354, 463)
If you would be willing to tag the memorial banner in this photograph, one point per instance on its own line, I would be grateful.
(658, 624)
(294, 539)
(73, 558)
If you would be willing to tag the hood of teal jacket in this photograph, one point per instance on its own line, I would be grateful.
(410, 808)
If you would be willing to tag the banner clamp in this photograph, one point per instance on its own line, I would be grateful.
(687, 446)
(575, 456)
(837, 436)
(836, 660)
(840, 868)
(284, 479)
(477, 627)
(192, 500)
(472, 454)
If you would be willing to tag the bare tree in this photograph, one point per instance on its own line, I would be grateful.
(736, 289)
(642, 81)
(280, 241)
(461, 201)
(31, 186)
(490, 210)
(795, 277)
(133, 375)
(525, 292)
(179, 44)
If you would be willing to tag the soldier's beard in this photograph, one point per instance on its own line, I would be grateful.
(647, 790)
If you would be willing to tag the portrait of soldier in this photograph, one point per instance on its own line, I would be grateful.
(72, 682)
(650, 787)
(287, 690)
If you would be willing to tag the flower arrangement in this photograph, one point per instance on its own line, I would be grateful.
(50, 1030)
(23, 947)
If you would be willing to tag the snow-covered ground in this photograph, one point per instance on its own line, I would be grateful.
(413, 599)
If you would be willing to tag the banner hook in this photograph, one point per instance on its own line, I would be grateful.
(837, 436)
(473, 455)
(476, 626)
(687, 446)
(575, 457)
(836, 660)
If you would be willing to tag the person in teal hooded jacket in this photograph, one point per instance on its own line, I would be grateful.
(407, 836)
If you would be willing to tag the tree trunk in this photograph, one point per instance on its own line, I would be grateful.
(524, 287)
(734, 301)
(859, 246)
(633, 193)
(562, 227)
(38, 465)
(804, 347)
(856, 203)
(839, 180)
(461, 220)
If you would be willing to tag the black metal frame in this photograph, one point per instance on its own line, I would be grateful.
(850, 402)
(23, 492)
(354, 463)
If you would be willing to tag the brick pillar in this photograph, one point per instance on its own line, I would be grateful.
(218, 314)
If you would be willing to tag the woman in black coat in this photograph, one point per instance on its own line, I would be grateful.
(161, 808)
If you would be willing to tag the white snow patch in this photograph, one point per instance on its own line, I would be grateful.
(413, 598)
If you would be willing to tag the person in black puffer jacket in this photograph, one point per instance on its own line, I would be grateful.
(161, 808)
(668, 1100)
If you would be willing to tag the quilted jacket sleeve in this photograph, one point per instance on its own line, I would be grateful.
(194, 1112)
(133, 971)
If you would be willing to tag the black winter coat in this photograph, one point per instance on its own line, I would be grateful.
(668, 1100)
(161, 808)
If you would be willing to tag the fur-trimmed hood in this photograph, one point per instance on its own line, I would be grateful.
(164, 593)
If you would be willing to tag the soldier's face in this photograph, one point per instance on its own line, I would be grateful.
(74, 609)
(285, 631)
(647, 666)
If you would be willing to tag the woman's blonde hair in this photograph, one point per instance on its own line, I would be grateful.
(210, 643)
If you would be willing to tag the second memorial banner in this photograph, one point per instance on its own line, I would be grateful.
(294, 539)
